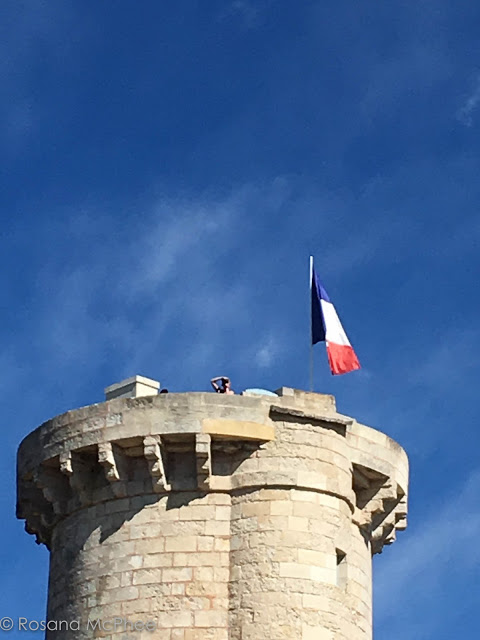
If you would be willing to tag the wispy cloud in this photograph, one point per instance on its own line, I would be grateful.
(426, 376)
(466, 112)
(251, 14)
(441, 547)
(393, 80)
(122, 296)
(32, 33)
(450, 362)
(266, 353)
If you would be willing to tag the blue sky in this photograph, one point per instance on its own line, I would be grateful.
(167, 170)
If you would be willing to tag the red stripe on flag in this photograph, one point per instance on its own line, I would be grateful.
(341, 358)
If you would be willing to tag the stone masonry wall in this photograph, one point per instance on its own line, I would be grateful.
(148, 558)
(285, 582)
(286, 542)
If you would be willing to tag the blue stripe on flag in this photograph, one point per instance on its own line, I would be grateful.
(318, 322)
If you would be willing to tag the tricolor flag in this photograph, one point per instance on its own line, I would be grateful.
(326, 327)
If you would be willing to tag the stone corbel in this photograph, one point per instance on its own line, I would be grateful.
(66, 463)
(401, 514)
(80, 480)
(34, 526)
(152, 448)
(204, 460)
(107, 460)
(381, 506)
(51, 483)
(384, 534)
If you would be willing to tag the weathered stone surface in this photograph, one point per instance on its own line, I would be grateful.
(218, 517)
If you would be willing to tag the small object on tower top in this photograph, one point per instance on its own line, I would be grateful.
(134, 387)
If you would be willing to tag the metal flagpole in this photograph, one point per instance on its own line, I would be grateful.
(311, 320)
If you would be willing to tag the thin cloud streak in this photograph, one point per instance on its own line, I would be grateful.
(439, 549)
(173, 279)
(33, 33)
(251, 14)
(466, 112)
(265, 355)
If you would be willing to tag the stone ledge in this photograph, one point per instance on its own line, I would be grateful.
(238, 429)
(333, 421)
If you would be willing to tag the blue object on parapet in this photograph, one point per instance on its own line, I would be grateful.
(258, 392)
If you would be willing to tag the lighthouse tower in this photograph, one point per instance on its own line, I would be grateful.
(202, 516)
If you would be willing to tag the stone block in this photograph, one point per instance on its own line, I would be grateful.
(177, 575)
(297, 523)
(210, 619)
(207, 543)
(317, 633)
(182, 543)
(158, 560)
(217, 528)
(147, 576)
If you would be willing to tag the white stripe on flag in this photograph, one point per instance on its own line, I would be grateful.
(334, 331)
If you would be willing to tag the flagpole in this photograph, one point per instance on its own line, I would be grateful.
(311, 320)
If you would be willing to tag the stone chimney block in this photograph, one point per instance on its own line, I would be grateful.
(134, 387)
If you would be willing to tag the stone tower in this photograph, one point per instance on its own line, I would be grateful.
(201, 516)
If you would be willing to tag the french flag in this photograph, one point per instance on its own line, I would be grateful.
(326, 327)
